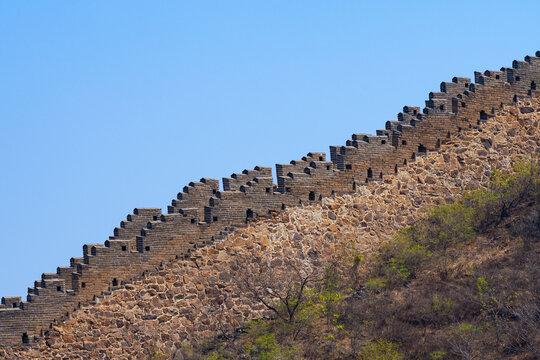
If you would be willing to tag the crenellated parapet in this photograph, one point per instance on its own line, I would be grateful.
(203, 212)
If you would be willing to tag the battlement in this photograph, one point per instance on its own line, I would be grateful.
(202, 213)
(10, 302)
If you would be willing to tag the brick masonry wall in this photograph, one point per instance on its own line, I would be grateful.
(193, 300)
(202, 213)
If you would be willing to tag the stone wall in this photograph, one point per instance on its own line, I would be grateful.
(202, 213)
(197, 298)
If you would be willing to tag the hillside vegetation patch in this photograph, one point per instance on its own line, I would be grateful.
(421, 297)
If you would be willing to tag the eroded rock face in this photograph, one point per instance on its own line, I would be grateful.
(198, 298)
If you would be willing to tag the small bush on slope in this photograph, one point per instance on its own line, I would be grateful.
(381, 349)
(453, 225)
(507, 191)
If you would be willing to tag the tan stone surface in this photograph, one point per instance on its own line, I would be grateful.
(196, 298)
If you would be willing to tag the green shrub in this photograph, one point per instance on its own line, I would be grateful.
(375, 284)
(403, 257)
(444, 226)
(441, 306)
(269, 340)
(449, 225)
(437, 355)
(506, 191)
(381, 349)
(482, 285)
(264, 347)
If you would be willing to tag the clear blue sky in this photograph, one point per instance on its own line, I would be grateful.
(110, 105)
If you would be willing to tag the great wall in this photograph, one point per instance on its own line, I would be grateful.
(202, 213)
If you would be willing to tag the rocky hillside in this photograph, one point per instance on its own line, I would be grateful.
(216, 292)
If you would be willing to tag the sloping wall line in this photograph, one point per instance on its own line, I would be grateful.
(202, 213)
